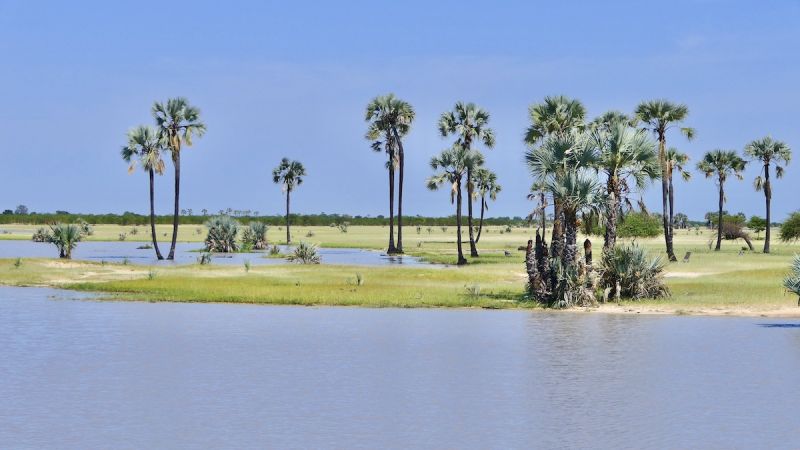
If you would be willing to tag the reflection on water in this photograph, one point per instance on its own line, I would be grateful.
(187, 253)
(86, 374)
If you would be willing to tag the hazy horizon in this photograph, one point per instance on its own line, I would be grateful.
(270, 84)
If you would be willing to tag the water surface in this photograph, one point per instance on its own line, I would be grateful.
(187, 253)
(89, 374)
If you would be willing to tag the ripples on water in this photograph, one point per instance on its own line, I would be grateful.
(88, 374)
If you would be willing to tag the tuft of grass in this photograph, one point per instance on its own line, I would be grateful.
(18, 263)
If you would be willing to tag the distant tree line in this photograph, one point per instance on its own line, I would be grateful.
(130, 218)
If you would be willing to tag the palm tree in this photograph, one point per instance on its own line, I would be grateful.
(289, 174)
(623, 153)
(391, 118)
(145, 145)
(452, 164)
(557, 116)
(178, 122)
(577, 190)
(768, 151)
(676, 161)
(486, 184)
(555, 157)
(721, 163)
(65, 237)
(659, 116)
(470, 124)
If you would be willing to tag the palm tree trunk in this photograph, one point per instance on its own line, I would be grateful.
(719, 215)
(153, 214)
(400, 162)
(480, 224)
(176, 159)
(662, 156)
(461, 259)
(768, 196)
(392, 248)
(671, 206)
(571, 234)
(473, 251)
(544, 219)
(612, 214)
(557, 240)
(288, 224)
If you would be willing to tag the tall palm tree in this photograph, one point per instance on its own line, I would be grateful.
(768, 152)
(391, 118)
(676, 161)
(452, 164)
(721, 163)
(145, 146)
(177, 122)
(556, 156)
(486, 185)
(556, 116)
(289, 174)
(624, 153)
(659, 116)
(470, 124)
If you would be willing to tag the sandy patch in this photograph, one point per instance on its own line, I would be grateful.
(688, 274)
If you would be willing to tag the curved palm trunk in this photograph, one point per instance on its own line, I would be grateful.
(473, 251)
(480, 224)
(153, 215)
(288, 223)
(461, 259)
(768, 196)
(612, 214)
(175, 215)
(400, 157)
(392, 248)
(719, 215)
(662, 156)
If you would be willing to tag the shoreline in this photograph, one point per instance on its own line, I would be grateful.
(625, 309)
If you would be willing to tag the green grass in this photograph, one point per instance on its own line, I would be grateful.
(711, 281)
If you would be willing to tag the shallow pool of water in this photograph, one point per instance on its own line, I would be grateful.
(89, 374)
(187, 253)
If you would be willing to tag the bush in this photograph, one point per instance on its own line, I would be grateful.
(639, 224)
(757, 224)
(344, 226)
(792, 281)
(255, 236)
(637, 275)
(222, 232)
(274, 250)
(65, 237)
(41, 235)
(304, 254)
(790, 229)
(86, 229)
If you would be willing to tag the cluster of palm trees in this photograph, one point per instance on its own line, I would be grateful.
(176, 123)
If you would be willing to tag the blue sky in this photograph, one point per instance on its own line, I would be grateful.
(278, 79)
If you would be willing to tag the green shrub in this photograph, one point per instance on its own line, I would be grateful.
(274, 250)
(41, 235)
(757, 224)
(790, 229)
(344, 226)
(304, 254)
(204, 258)
(639, 224)
(638, 275)
(222, 232)
(792, 281)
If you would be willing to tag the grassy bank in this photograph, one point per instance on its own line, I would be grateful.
(710, 283)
